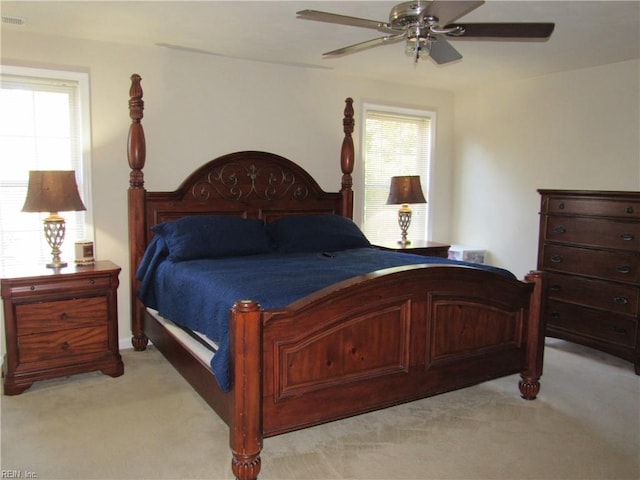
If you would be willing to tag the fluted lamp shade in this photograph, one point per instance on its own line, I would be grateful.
(53, 191)
(403, 191)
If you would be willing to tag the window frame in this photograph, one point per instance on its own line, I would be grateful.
(427, 183)
(81, 78)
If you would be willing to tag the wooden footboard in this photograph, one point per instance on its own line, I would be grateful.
(375, 341)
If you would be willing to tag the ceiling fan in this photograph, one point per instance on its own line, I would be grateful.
(425, 26)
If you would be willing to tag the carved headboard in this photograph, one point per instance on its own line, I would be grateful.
(248, 184)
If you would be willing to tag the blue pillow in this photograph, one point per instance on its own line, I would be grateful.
(316, 233)
(210, 236)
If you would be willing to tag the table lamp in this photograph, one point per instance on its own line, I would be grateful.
(403, 191)
(53, 191)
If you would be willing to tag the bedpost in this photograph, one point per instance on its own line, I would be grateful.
(136, 153)
(245, 426)
(530, 378)
(347, 160)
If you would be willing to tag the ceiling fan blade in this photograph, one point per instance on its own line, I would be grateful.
(449, 10)
(364, 45)
(344, 20)
(503, 30)
(442, 51)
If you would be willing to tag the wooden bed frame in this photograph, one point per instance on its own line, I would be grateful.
(368, 343)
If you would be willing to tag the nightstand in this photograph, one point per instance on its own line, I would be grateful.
(59, 323)
(419, 247)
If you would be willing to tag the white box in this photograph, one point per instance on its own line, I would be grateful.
(467, 254)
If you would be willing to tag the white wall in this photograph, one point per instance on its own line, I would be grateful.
(573, 130)
(198, 107)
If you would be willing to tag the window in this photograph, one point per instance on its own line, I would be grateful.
(44, 125)
(395, 142)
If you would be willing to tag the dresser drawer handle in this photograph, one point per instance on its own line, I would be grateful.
(626, 236)
(561, 206)
(619, 330)
(629, 209)
(555, 287)
(555, 315)
(624, 269)
(559, 229)
(64, 316)
(65, 346)
(92, 281)
(621, 300)
(556, 258)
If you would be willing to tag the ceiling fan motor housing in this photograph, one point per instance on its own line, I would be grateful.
(410, 13)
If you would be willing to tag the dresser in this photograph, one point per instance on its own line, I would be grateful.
(60, 322)
(589, 245)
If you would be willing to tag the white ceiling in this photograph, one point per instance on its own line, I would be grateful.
(588, 33)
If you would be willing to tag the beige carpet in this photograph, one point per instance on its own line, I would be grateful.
(149, 424)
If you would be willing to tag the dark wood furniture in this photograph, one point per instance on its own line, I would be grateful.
(60, 322)
(419, 247)
(590, 246)
(367, 343)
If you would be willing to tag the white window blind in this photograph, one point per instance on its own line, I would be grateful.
(41, 128)
(395, 143)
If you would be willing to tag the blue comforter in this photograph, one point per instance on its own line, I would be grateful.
(197, 294)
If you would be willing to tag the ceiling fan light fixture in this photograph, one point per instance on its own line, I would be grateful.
(418, 41)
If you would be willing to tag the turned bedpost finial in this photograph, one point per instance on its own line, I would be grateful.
(347, 155)
(136, 145)
(136, 153)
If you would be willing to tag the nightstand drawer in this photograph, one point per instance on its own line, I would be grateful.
(62, 344)
(63, 314)
(56, 285)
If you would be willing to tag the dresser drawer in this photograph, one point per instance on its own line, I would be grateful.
(62, 344)
(619, 266)
(611, 297)
(605, 207)
(594, 232)
(43, 317)
(593, 324)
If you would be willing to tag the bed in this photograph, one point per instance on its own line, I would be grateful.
(366, 342)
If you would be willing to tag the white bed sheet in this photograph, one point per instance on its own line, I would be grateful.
(202, 352)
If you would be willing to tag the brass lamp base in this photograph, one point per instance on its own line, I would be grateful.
(54, 230)
(404, 220)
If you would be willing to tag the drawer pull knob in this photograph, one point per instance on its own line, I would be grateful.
(620, 300)
(629, 209)
(92, 281)
(65, 346)
(619, 330)
(555, 287)
(561, 206)
(64, 316)
(32, 288)
(556, 258)
(555, 315)
(624, 269)
(627, 236)
(559, 229)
